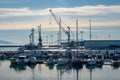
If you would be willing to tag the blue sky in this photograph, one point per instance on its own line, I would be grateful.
(27, 14)
(37, 4)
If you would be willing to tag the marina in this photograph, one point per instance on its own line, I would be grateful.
(59, 40)
(67, 60)
(62, 56)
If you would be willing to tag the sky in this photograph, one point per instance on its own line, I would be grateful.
(27, 14)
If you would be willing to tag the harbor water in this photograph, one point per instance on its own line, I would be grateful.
(44, 72)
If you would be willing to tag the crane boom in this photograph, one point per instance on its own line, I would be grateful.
(54, 16)
(58, 22)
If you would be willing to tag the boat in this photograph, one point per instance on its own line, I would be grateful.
(77, 62)
(22, 60)
(14, 59)
(115, 61)
(91, 62)
(62, 61)
(99, 58)
(18, 67)
(31, 60)
(50, 61)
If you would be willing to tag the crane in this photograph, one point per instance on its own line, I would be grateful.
(31, 36)
(67, 32)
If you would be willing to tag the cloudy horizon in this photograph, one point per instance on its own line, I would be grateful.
(27, 14)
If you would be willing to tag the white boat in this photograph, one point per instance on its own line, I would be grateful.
(62, 61)
(22, 60)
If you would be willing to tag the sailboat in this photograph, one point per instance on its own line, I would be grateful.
(76, 61)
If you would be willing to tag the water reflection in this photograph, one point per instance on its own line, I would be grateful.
(33, 74)
(100, 66)
(61, 69)
(18, 67)
(115, 65)
(55, 72)
(32, 66)
(91, 69)
(0, 64)
(50, 66)
(77, 68)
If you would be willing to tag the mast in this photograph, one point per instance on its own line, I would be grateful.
(40, 39)
(90, 29)
(32, 36)
(77, 35)
(68, 35)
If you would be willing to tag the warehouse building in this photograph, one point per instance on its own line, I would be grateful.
(102, 44)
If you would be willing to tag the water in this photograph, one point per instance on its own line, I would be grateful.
(43, 72)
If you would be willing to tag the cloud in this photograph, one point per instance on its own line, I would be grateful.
(23, 18)
(84, 11)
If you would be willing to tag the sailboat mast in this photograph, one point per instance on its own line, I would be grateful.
(90, 29)
(77, 35)
(40, 39)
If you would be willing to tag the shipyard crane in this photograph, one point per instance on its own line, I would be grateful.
(31, 36)
(39, 39)
(67, 32)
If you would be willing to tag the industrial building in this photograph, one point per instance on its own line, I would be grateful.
(101, 44)
(96, 44)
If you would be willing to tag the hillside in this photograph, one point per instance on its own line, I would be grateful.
(4, 42)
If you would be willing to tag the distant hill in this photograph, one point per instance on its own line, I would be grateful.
(4, 42)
